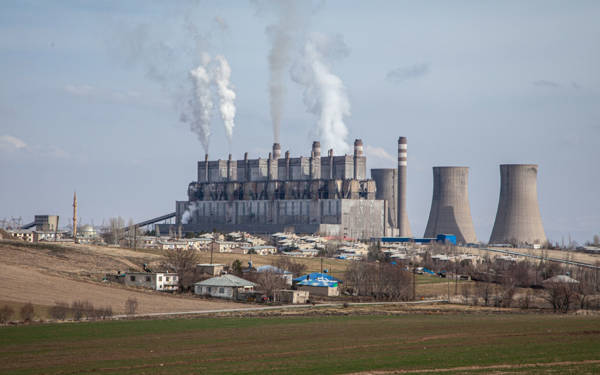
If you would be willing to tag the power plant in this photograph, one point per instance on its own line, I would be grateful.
(450, 209)
(518, 219)
(332, 196)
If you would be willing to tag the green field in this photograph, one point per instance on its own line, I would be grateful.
(456, 343)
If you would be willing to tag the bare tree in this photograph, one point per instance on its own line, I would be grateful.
(80, 309)
(381, 281)
(114, 231)
(287, 264)
(184, 263)
(269, 282)
(27, 312)
(560, 295)
(6, 312)
(131, 306)
(59, 310)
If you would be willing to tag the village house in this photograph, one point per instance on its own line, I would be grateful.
(291, 296)
(210, 269)
(226, 286)
(321, 284)
(163, 281)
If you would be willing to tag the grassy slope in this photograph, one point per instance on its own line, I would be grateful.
(324, 345)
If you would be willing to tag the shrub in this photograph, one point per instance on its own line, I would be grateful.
(104, 312)
(77, 308)
(6, 312)
(27, 312)
(131, 306)
(59, 310)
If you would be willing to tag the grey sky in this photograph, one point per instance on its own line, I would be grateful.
(90, 100)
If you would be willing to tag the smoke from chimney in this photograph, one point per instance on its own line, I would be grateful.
(324, 92)
(200, 102)
(222, 73)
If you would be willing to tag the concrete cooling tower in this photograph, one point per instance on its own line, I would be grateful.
(518, 219)
(450, 209)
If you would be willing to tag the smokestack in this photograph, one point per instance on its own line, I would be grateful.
(269, 166)
(276, 151)
(206, 167)
(403, 224)
(246, 167)
(518, 219)
(315, 161)
(330, 153)
(358, 151)
(229, 168)
(287, 165)
(450, 210)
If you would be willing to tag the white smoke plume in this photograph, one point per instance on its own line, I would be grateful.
(200, 103)
(222, 74)
(291, 20)
(188, 214)
(279, 60)
(324, 92)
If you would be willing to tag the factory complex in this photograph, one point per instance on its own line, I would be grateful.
(332, 196)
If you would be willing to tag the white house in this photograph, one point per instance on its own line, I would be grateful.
(226, 286)
(164, 281)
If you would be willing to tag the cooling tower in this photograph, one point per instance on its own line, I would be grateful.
(403, 225)
(518, 219)
(450, 209)
(386, 183)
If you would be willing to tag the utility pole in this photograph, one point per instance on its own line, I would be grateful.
(135, 237)
(414, 277)
(75, 217)
(321, 264)
(212, 246)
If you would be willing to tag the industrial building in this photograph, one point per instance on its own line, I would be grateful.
(330, 195)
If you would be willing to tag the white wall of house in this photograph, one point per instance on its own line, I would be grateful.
(214, 291)
(156, 281)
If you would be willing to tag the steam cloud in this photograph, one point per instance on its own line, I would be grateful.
(279, 59)
(222, 73)
(324, 92)
(168, 63)
(200, 103)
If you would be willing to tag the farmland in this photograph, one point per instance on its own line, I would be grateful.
(423, 343)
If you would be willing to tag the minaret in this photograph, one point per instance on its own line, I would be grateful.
(75, 216)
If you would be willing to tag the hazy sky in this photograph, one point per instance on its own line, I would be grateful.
(92, 93)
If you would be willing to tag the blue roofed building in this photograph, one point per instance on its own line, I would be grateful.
(321, 284)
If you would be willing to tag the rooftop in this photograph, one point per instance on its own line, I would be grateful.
(226, 280)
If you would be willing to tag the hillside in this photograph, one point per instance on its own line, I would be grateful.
(45, 274)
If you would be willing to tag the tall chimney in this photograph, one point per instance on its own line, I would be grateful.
(205, 167)
(518, 218)
(276, 151)
(269, 160)
(330, 153)
(315, 161)
(246, 167)
(287, 165)
(358, 151)
(229, 168)
(403, 224)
